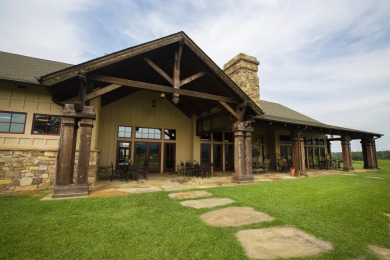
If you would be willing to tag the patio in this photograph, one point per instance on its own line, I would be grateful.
(175, 182)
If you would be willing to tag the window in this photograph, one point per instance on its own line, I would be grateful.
(205, 137)
(147, 133)
(169, 134)
(11, 122)
(217, 137)
(284, 139)
(229, 137)
(124, 131)
(46, 124)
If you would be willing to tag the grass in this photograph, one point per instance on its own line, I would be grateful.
(344, 210)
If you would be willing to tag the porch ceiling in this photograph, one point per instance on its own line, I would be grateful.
(151, 66)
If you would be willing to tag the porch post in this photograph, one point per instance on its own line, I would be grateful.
(66, 154)
(298, 153)
(65, 187)
(86, 125)
(346, 150)
(368, 148)
(242, 155)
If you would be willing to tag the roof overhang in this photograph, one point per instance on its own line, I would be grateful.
(305, 126)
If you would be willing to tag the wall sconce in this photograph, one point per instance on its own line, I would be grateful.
(162, 95)
(153, 103)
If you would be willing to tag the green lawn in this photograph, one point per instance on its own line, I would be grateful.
(344, 210)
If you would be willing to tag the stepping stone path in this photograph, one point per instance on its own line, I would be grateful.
(286, 242)
(234, 217)
(380, 252)
(206, 203)
(189, 195)
(373, 177)
(265, 243)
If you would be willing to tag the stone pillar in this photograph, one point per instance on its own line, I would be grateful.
(86, 125)
(66, 155)
(298, 153)
(347, 155)
(242, 153)
(242, 69)
(369, 153)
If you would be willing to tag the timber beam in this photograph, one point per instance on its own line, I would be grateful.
(159, 88)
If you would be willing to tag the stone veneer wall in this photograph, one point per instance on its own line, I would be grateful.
(30, 170)
(242, 69)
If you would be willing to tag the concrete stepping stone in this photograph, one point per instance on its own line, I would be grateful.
(374, 177)
(190, 195)
(206, 203)
(234, 217)
(380, 252)
(284, 242)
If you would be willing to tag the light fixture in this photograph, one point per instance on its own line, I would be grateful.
(153, 103)
(162, 95)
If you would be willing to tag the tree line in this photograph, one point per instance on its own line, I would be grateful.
(358, 156)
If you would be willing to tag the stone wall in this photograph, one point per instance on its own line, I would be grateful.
(31, 170)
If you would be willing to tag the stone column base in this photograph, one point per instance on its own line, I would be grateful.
(243, 179)
(71, 190)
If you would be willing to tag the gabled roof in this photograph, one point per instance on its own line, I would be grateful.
(23, 69)
(130, 64)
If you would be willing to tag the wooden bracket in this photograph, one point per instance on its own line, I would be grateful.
(231, 110)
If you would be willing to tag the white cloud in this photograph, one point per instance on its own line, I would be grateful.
(321, 57)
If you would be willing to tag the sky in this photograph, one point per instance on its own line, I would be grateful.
(327, 59)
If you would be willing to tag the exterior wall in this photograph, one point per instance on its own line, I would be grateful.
(136, 110)
(29, 100)
(27, 161)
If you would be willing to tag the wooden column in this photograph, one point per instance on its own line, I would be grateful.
(298, 153)
(242, 153)
(248, 151)
(86, 125)
(369, 153)
(64, 180)
(347, 155)
(66, 154)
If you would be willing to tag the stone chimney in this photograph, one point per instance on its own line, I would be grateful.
(242, 69)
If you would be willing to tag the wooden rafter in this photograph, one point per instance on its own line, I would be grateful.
(101, 91)
(231, 110)
(192, 78)
(159, 70)
(169, 79)
(160, 88)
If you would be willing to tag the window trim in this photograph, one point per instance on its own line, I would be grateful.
(33, 124)
(125, 137)
(24, 123)
(155, 128)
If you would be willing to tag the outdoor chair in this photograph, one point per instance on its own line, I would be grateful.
(115, 172)
(265, 165)
(205, 170)
(142, 170)
(131, 172)
(189, 169)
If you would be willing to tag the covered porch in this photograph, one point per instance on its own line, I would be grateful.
(161, 102)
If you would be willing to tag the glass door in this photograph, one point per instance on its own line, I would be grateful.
(123, 154)
(148, 151)
(229, 157)
(205, 154)
(217, 157)
(169, 157)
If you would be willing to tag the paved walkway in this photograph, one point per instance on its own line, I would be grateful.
(174, 182)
